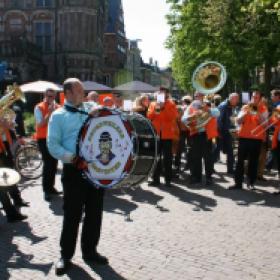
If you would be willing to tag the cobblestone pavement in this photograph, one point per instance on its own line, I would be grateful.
(175, 233)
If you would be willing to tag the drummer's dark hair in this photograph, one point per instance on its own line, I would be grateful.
(68, 83)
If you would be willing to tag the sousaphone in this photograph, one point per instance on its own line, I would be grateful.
(209, 77)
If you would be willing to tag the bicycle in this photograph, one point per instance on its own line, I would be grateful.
(28, 159)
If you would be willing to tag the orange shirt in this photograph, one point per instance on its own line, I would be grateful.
(212, 128)
(251, 122)
(8, 138)
(164, 122)
(42, 131)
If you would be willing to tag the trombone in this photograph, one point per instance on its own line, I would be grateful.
(274, 118)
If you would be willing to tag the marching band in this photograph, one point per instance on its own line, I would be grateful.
(193, 130)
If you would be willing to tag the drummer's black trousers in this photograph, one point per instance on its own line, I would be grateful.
(80, 197)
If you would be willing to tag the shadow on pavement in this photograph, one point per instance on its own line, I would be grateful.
(245, 197)
(116, 205)
(138, 194)
(56, 205)
(106, 272)
(77, 272)
(11, 257)
(199, 202)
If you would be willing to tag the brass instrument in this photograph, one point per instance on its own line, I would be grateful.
(251, 108)
(13, 94)
(209, 77)
(267, 124)
(201, 119)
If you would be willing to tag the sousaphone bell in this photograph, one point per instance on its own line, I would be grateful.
(209, 77)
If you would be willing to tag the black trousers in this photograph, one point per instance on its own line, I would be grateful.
(80, 197)
(165, 160)
(181, 149)
(49, 167)
(227, 147)
(200, 149)
(247, 149)
(7, 160)
(8, 207)
(276, 153)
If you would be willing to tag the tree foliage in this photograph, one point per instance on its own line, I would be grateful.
(240, 34)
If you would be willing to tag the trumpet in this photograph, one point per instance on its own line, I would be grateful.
(251, 108)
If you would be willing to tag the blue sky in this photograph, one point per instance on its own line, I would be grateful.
(144, 19)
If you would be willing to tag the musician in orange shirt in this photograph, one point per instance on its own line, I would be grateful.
(163, 115)
(251, 135)
(42, 113)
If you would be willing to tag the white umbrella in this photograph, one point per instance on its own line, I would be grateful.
(40, 87)
(136, 86)
(90, 85)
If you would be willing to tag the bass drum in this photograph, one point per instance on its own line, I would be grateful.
(120, 148)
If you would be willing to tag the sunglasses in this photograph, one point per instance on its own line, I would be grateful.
(50, 95)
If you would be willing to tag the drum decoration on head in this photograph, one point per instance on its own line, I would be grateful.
(120, 149)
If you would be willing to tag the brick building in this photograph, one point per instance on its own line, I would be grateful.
(68, 32)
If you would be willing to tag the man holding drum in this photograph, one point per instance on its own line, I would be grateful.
(79, 194)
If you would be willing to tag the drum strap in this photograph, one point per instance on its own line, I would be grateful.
(74, 110)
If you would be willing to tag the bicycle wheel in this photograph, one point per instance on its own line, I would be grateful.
(28, 162)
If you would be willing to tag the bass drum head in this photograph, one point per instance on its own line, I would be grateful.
(109, 145)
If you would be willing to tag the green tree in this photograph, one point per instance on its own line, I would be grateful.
(239, 34)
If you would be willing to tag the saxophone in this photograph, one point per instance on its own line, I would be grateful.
(13, 93)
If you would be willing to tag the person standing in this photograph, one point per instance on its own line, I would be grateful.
(225, 124)
(79, 194)
(6, 160)
(93, 97)
(42, 113)
(200, 138)
(272, 156)
(163, 115)
(251, 135)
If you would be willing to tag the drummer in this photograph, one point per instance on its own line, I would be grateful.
(79, 195)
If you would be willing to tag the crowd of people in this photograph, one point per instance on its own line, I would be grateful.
(191, 132)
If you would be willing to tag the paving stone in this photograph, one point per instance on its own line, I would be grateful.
(151, 233)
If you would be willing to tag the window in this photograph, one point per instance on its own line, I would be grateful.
(28, 4)
(43, 34)
(17, 4)
(74, 2)
(15, 24)
(44, 3)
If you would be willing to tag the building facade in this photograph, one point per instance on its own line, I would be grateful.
(69, 34)
(115, 45)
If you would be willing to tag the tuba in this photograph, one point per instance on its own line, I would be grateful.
(13, 94)
(209, 77)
